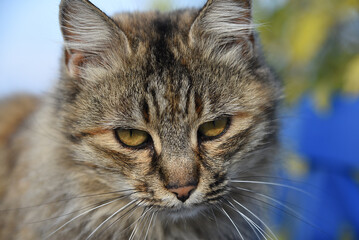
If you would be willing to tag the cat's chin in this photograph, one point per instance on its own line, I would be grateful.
(184, 212)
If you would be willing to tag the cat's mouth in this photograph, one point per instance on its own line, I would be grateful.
(184, 211)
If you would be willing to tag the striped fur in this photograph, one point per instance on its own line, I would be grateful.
(163, 73)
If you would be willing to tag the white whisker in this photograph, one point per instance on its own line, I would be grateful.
(274, 184)
(132, 210)
(70, 213)
(291, 212)
(107, 219)
(149, 225)
(74, 218)
(272, 199)
(251, 223)
(254, 215)
(251, 226)
(143, 225)
(235, 226)
(215, 218)
(138, 221)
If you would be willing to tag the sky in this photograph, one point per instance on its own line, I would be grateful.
(30, 40)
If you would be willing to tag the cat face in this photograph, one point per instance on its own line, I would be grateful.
(169, 106)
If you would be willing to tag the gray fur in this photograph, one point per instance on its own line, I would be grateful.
(163, 73)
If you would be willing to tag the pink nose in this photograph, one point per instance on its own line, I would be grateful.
(183, 193)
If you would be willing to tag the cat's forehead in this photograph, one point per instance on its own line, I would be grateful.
(167, 79)
(157, 39)
(154, 26)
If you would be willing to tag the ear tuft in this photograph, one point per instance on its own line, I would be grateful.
(88, 34)
(224, 30)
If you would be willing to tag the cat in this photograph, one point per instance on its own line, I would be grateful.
(156, 129)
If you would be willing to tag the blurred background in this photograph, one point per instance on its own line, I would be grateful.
(313, 46)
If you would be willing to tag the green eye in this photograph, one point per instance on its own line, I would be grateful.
(131, 137)
(214, 128)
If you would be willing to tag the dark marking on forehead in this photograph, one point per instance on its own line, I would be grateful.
(214, 98)
(155, 103)
(198, 104)
(188, 94)
(161, 51)
(145, 111)
(172, 96)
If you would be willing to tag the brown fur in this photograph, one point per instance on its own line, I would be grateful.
(162, 73)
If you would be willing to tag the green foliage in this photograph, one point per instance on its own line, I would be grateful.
(313, 44)
(161, 5)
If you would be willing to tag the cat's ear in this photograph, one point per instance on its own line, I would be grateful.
(89, 36)
(224, 30)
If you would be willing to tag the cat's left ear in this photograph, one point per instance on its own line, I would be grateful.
(91, 37)
(224, 30)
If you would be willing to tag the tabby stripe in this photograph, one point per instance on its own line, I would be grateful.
(237, 142)
(202, 160)
(220, 178)
(189, 93)
(154, 164)
(119, 158)
(198, 104)
(215, 192)
(155, 102)
(145, 111)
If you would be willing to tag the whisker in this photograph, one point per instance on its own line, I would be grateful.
(134, 231)
(149, 225)
(291, 212)
(66, 214)
(273, 177)
(107, 219)
(132, 210)
(215, 218)
(255, 229)
(230, 219)
(255, 216)
(204, 214)
(286, 202)
(155, 218)
(74, 218)
(144, 225)
(63, 200)
(251, 223)
(274, 184)
(141, 219)
(272, 199)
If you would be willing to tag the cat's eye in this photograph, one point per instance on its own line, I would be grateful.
(132, 137)
(213, 129)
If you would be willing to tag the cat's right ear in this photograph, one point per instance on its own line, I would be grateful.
(89, 36)
(224, 30)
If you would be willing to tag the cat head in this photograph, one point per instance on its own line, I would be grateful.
(170, 105)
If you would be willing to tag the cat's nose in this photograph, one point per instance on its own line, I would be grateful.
(182, 193)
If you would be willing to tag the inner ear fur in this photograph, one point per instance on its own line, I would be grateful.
(224, 30)
(89, 36)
